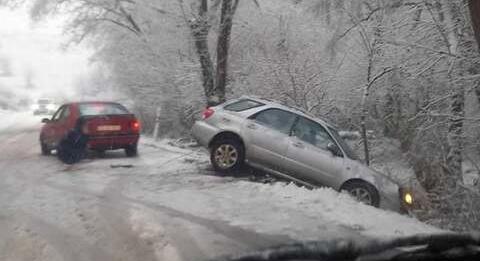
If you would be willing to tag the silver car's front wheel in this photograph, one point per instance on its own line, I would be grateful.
(362, 195)
(226, 155)
(363, 192)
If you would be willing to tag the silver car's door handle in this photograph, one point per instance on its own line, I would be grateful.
(251, 126)
(298, 144)
(226, 120)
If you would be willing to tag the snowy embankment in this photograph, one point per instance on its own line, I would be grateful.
(14, 121)
(277, 208)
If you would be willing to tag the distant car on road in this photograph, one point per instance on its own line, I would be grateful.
(44, 107)
(106, 125)
(292, 144)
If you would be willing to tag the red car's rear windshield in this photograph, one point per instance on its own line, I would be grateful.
(92, 109)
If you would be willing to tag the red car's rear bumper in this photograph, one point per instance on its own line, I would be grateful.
(111, 142)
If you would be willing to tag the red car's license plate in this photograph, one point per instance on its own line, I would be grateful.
(109, 128)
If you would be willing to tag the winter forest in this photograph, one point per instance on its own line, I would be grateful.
(402, 75)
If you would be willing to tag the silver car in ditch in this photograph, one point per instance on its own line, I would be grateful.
(292, 144)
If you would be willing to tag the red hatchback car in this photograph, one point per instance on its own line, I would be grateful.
(107, 126)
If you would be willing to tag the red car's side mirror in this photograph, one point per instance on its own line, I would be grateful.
(45, 120)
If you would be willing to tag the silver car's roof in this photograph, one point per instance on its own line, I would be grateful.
(275, 104)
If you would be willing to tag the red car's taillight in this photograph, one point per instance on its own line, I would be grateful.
(135, 125)
(207, 113)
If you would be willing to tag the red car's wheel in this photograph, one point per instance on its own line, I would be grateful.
(131, 151)
(100, 153)
(45, 150)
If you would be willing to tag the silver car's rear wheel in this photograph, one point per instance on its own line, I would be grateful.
(227, 155)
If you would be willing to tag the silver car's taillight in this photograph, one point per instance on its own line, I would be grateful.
(207, 113)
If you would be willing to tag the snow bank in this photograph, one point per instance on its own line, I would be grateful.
(14, 121)
(145, 225)
(178, 182)
(340, 209)
(276, 209)
(283, 209)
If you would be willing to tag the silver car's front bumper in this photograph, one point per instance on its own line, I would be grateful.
(395, 200)
(204, 132)
(390, 201)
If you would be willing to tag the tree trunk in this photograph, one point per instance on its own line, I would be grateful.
(214, 84)
(223, 45)
(200, 29)
(363, 117)
(455, 136)
(474, 7)
(200, 34)
(373, 51)
(458, 46)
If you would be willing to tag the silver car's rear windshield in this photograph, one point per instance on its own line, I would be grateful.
(243, 105)
(343, 144)
(93, 109)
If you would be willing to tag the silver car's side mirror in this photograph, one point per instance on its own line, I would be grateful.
(334, 149)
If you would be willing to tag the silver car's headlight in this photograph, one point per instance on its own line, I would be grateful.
(406, 196)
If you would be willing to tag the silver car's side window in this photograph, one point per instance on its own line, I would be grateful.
(276, 119)
(312, 132)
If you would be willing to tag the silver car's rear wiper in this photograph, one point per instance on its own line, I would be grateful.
(435, 247)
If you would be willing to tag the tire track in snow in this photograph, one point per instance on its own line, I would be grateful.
(178, 220)
(104, 222)
(24, 171)
(67, 245)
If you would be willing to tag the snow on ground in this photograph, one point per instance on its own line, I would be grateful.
(144, 223)
(166, 204)
(14, 121)
(269, 208)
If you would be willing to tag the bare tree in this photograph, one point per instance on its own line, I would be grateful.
(372, 41)
(200, 28)
(214, 79)
(474, 7)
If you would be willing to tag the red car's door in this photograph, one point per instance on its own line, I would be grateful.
(58, 127)
(49, 130)
(63, 125)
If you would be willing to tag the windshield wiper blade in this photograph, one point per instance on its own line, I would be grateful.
(447, 246)
(458, 253)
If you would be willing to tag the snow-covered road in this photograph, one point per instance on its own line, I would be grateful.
(164, 205)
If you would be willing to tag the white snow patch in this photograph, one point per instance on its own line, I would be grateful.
(341, 209)
(144, 224)
(272, 209)
(15, 121)
(27, 245)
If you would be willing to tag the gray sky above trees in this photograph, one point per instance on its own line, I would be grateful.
(35, 48)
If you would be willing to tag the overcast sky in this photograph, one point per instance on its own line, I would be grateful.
(36, 47)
